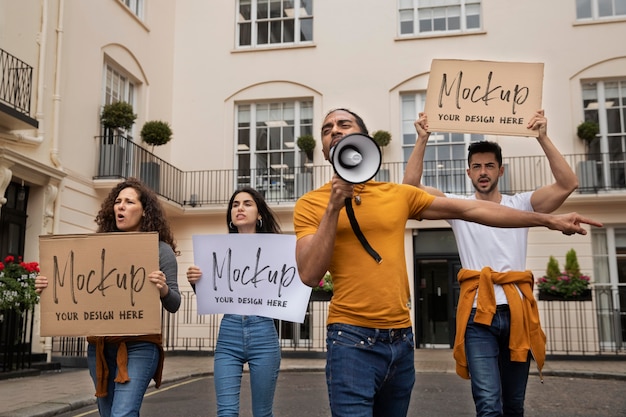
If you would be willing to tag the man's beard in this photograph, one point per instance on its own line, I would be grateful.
(493, 185)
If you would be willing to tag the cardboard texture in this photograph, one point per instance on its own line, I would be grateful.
(98, 284)
(487, 97)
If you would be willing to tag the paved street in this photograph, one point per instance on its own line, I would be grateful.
(303, 394)
(594, 378)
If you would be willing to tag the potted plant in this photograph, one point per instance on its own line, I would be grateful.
(116, 118)
(324, 290)
(17, 303)
(587, 131)
(154, 133)
(306, 143)
(382, 139)
(566, 285)
(304, 179)
(118, 115)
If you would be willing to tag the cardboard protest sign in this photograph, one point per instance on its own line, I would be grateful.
(98, 284)
(483, 96)
(250, 274)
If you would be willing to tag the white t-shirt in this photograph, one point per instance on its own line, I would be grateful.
(501, 249)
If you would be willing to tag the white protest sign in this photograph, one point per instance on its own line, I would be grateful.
(250, 274)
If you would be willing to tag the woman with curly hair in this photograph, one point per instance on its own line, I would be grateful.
(241, 339)
(122, 366)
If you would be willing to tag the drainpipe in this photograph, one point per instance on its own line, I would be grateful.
(54, 152)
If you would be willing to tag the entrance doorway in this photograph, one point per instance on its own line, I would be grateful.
(436, 288)
(437, 295)
(13, 221)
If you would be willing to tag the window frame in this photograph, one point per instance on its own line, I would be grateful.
(413, 8)
(302, 17)
(277, 153)
(593, 11)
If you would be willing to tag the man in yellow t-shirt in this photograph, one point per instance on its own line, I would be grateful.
(370, 366)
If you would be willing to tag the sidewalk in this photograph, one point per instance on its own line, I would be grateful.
(51, 393)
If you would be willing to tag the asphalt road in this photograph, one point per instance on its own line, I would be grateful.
(303, 394)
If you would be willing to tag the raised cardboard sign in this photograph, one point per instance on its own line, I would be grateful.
(250, 274)
(98, 284)
(487, 97)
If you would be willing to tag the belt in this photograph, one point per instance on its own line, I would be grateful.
(390, 335)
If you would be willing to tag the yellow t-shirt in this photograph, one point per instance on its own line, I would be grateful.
(366, 293)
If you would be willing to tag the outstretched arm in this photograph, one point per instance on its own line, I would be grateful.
(550, 197)
(497, 215)
(415, 165)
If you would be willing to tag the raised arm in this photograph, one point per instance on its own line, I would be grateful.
(314, 252)
(497, 215)
(550, 197)
(415, 165)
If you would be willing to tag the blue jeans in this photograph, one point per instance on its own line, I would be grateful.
(498, 385)
(369, 372)
(242, 339)
(124, 400)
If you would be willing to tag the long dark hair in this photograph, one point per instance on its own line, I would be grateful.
(268, 223)
(153, 219)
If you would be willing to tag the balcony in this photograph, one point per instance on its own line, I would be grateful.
(121, 158)
(16, 79)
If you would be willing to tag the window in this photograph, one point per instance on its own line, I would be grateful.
(117, 87)
(135, 6)
(445, 160)
(115, 155)
(264, 23)
(609, 278)
(266, 137)
(600, 9)
(604, 102)
(420, 17)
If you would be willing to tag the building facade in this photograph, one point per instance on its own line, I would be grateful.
(239, 81)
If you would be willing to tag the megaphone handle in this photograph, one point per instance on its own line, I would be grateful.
(359, 234)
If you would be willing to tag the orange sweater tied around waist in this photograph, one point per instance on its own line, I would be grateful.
(525, 332)
(102, 370)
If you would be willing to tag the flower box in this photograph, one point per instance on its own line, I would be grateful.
(317, 295)
(546, 296)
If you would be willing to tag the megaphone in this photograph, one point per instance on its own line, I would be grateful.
(356, 158)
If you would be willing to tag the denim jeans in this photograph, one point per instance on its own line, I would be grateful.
(369, 372)
(124, 400)
(498, 385)
(251, 339)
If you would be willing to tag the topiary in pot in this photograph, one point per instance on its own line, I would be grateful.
(587, 131)
(156, 133)
(118, 115)
(306, 143)
(382, 138)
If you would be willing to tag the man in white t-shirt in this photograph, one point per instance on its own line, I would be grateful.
(497, 320)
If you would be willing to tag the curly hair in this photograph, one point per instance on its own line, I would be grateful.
(269, 224)
(153, 220)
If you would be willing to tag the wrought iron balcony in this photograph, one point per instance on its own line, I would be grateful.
(120, 157)
(16, 79)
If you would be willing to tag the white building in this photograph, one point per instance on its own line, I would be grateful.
(240, 80)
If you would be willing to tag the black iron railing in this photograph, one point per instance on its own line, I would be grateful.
(15, 83)
(16, 335)
(120, 157)
(580, 328)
